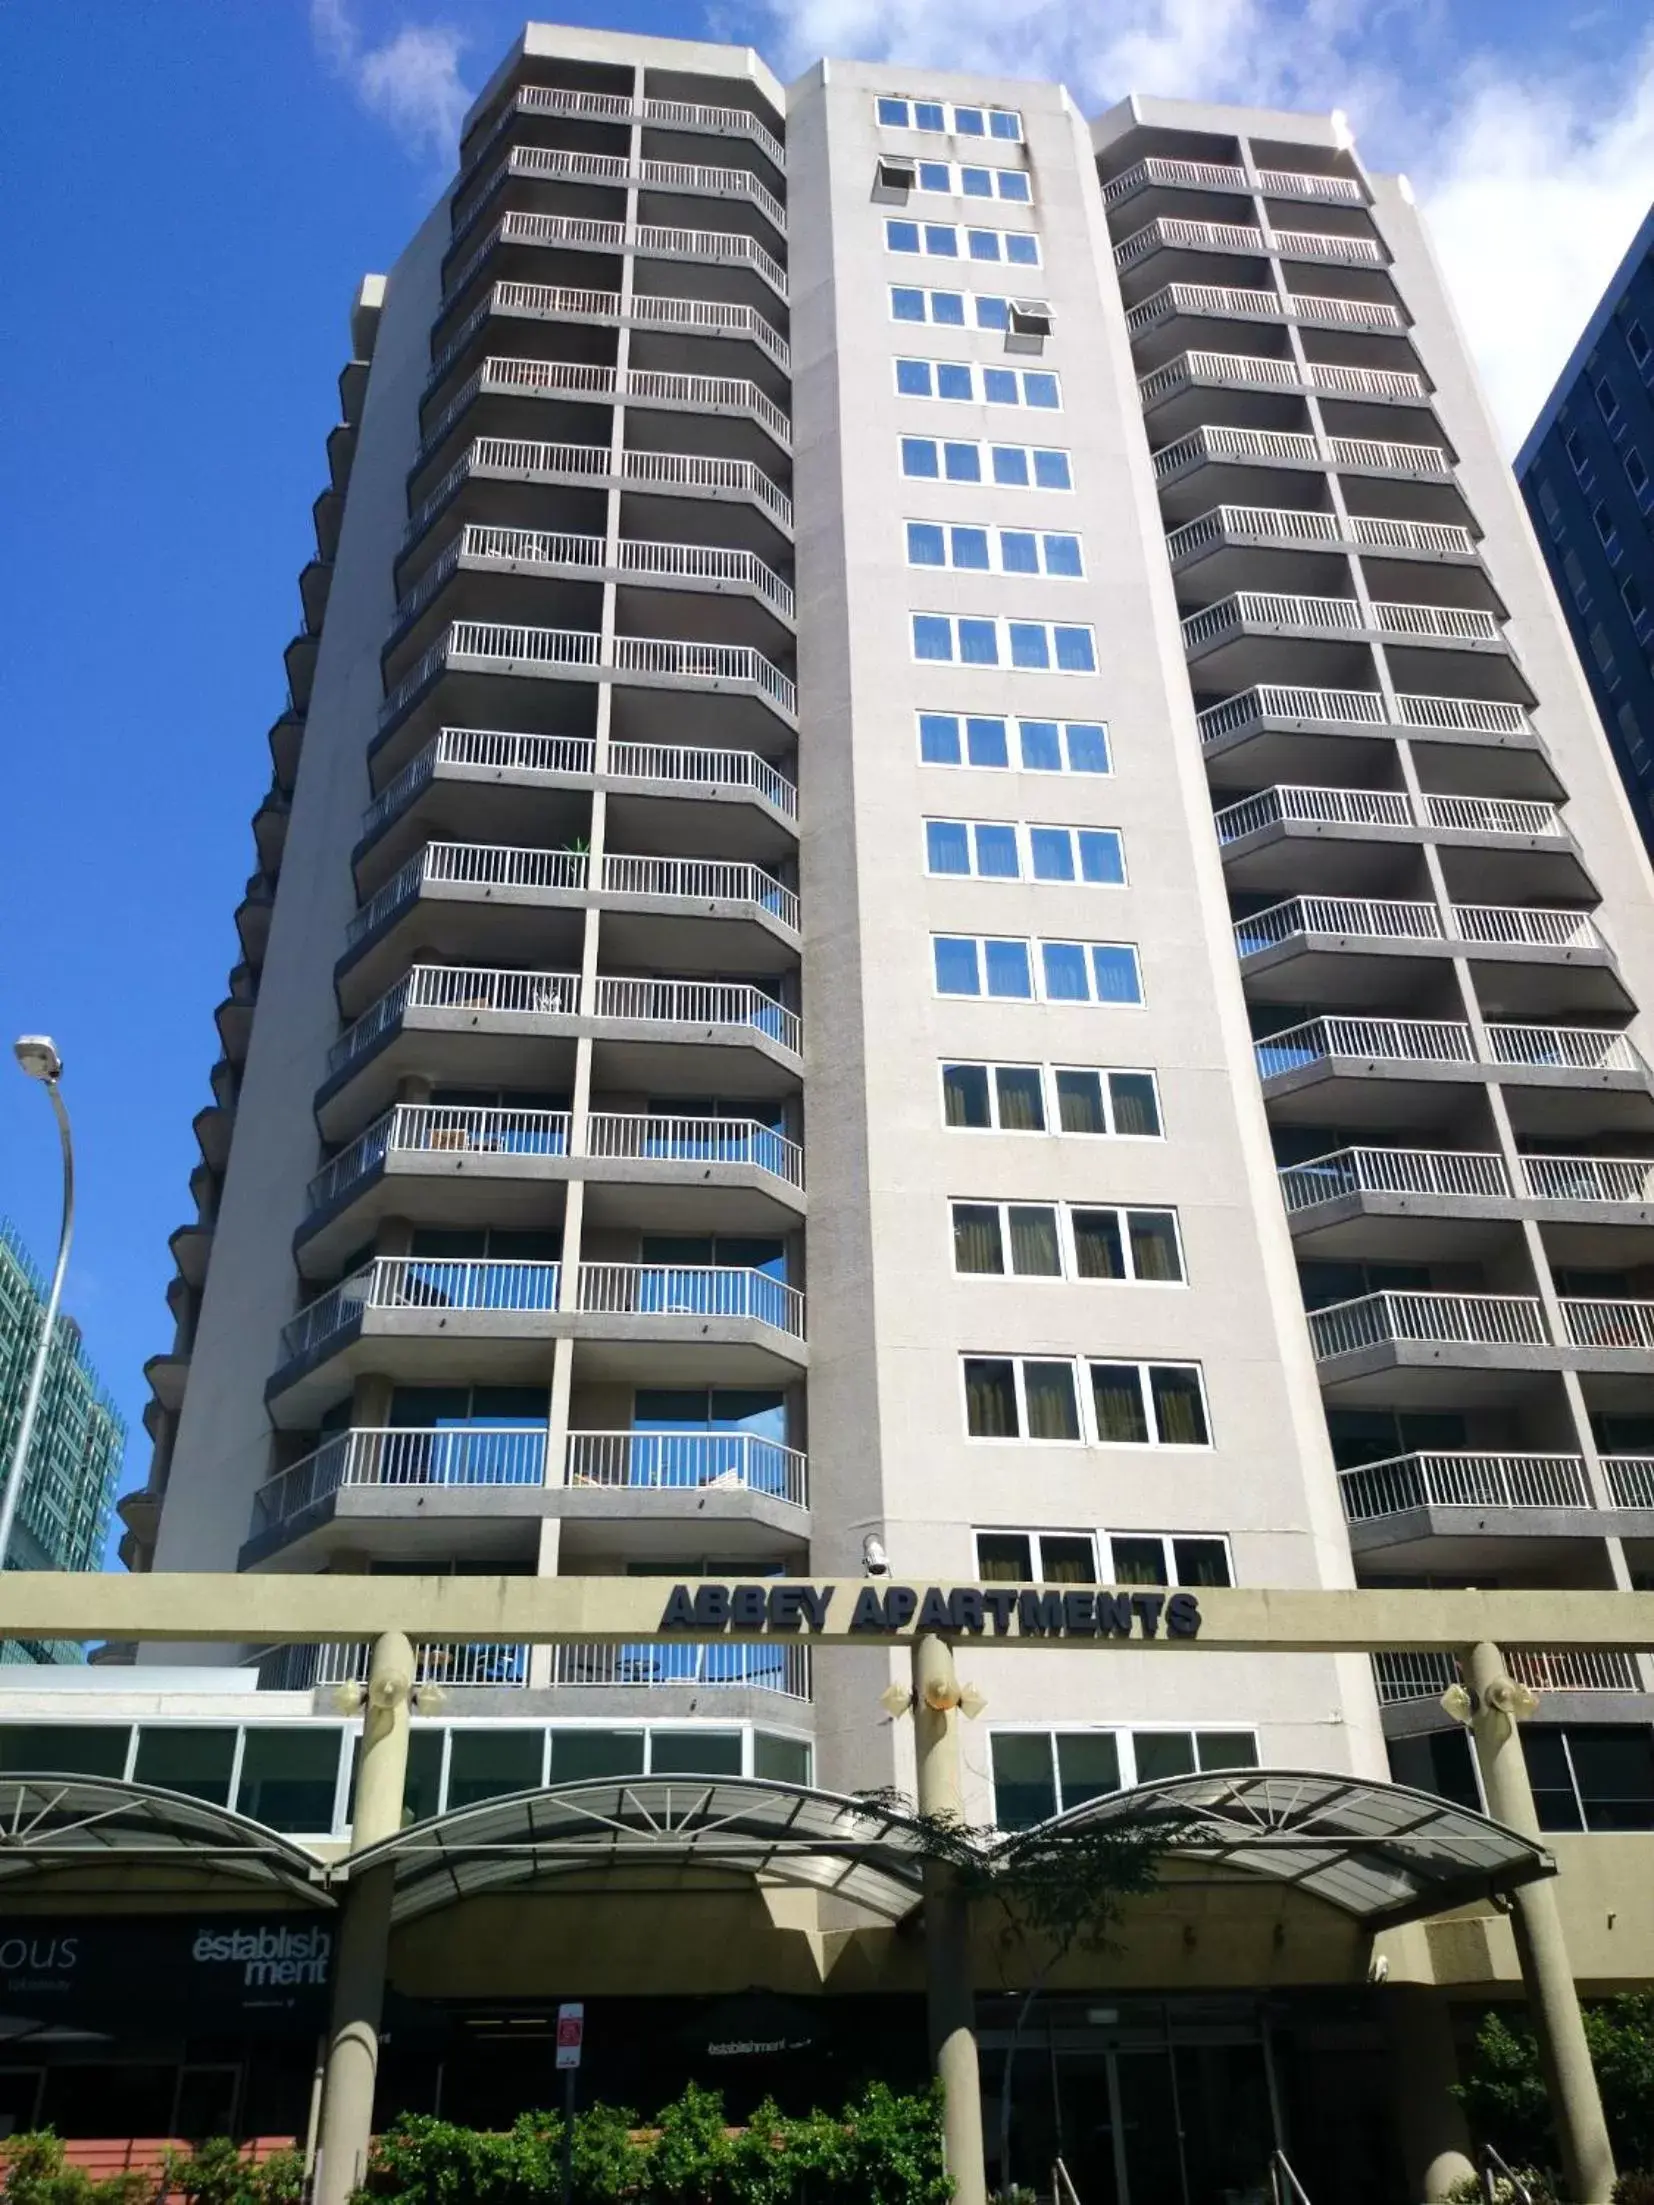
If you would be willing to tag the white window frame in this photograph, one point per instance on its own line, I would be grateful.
(1018, 763)
(996, 534)
(1019, 1387)
(1080, 1365)
(950, 111)
(1143, 1364)
(1024, 831)
(1003, 661)
(1125, 1736)
(962, 233)
(953, 185)
(1050, 1104)
(976, 301)
(978, 372)
(1036, 967)
(1102, 1547)
(1068, 1271)
(988, 480)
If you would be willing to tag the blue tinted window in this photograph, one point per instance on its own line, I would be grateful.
(1062, 555)
(976, 183)
(1052, 849)
(902, 237)
(996, 853)
(992, 314)
(999, 386)
(893, 113)
(1076, 653)
(939, 738)
(1115, 967)
(985, 743)
(924, 545)
(1065, 973)
(927, 115)
(1030, 645)
(1018, 551)
(978, 643)
(942, 240)
(970, 548)
(906, 305)
(919, 456)
(947, 847)
(913, 378)
(1011, 465)
(968, 122)
(1051, 471)
(1008, 972)
(953, 379)
(1101, 857)
(932, 636)
(1040, 390)
(1002, 125)
(1088, 748)
(1013, 185)
(964, 462)
(984, 244)
(933, 176)
(956, 972)
(1041, 749)
(1022, 247)
(948, 308)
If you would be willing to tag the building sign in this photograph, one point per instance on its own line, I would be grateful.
(885, 1611)
(103, 1972)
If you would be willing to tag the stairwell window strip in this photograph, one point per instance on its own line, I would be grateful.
(944, 118)
(1046, 1098)
(949, 241)
(1023, 646)
(1008, 466)
(1053, 553)
(993, 849)
(995, 744)
(968, 382)
(1019, 1557)
(949, 309)
(1051, 1240)
(1058, 1401)
(1015, 969)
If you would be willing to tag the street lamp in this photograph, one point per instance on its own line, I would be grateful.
(38, 1056)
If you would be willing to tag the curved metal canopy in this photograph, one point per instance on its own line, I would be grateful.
(1382, 1852)
(57, 1824)
(737, 1825)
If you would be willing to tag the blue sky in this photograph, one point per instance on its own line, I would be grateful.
(195, 188)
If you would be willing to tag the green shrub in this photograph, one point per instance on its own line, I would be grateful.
(1634, 2188)
(1504, 2093)
(35, 2170)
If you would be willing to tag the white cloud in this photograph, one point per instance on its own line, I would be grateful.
(410, 80)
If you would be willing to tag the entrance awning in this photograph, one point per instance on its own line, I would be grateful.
(131, 1840)
(682, 1826)
(1382, 1852)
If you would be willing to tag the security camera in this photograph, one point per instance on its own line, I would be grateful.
(874, 1560)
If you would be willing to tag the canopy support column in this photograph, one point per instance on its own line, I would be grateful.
(364, 1927)
(949, 1994)
(1553, 2002)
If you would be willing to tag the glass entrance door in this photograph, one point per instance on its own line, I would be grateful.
(1186, 2124)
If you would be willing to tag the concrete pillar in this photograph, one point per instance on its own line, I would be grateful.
(1553, 2002)
(950, 2000)
(1435, 2138)
(364, 1927)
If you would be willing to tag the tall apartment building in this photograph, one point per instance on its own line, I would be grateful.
(79, 1440)
(1587, 471)
(936, 872)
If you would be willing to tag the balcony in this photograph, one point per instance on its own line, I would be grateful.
(678, 179)
(466, 1457)
(1273, 613)
(1308, 946)
(1172, 233)
(1630, 1480)
(616, 107)
(1403, 1677)
(769, 1667)
(1273, 731)
(503, 459)
(1159, 314)
(1444, 1175)
(1609, 1328)
(715, 319)
(1475, 1512)
(648, 240)
(1248, 528)
(1178, 385)
(1268, 451)
(309, 1668)
(1585, 1182)
(697, 1462)
(1297, 835)
(1430, 1320)
(1405, 1484)
(1428, 1350)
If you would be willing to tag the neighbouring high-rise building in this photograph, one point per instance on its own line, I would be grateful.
(79, 1439)
(1587, 472)
(937, 873)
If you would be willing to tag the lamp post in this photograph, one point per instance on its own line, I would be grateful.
(38, 1056)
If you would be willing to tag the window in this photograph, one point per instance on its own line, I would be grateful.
(1607, 404)
(1046, 1240)
(1636, 338)
(1003, 850)
(289, 1776)
(1010, 466)
(995, 1098)
(1123, 1558)
(942, 116)
(1635, 604)
(949, 309)
(1050, 972)
(965, 382)
(960, 180)
(1636, 473)
(1033, 746)
(946, 241)
(1120, 1404)
(1590, 1777)
(1013, 1098)
(1040, 1773)
(1023, 646)
(1603, 522)
(1579, 459)
(975, 550)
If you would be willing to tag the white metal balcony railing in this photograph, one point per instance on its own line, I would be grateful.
(1630, 1480)
(1457, 1173)
(500, 376)
(1297, 804)
(556, 165)
(484, 991)
(488, 646)
(699, 880)
(1291, 527)
(1610, 1325)
(304, 1668)
(469, 1284)
(1231, 301)
(724, 247)
(489, 457)
(574, 302)
(1563, 1048)
(1402, 1677)
(765, 1667)
(693, 1290)
(563, 756)
(1272, 609)
(1368, 918)
(1430, 1319)
(1404, 1482)
(494, 865)
(1589, 1178)
(1275, 183)
(634, 1138)
(1178, 234)
(1444, 1041)
(1297, 448)
(399, 1455)
(1360, 708)
(1261, 371)
(620, 107)
(1520, 926)
(688, 1461)
(431, 1129)
(533, 549)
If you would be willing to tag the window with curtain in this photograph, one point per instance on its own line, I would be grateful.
(1117, 1400)
(1053, 1404)
(991, 1398)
